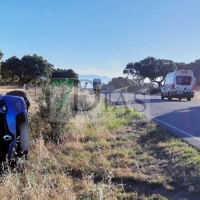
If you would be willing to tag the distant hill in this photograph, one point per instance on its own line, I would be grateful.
(89, 78)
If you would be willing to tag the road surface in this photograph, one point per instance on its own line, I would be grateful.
(182, 118)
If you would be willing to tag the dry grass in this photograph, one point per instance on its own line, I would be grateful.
(32, 92)
(196, 97)
(103, 159)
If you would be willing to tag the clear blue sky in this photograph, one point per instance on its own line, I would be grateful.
(100, 37)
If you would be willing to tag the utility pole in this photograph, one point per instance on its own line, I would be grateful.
(76, 94)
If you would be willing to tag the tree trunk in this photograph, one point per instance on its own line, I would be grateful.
(158, 82)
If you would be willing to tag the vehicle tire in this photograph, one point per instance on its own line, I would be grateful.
(179, 99)
(24, 136)
(169, 98)
(23, 144)
(188, 99)
(162, 97)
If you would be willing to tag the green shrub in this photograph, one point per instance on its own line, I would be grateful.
(56, 106)
(133, 88)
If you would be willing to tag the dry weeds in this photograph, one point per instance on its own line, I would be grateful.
(196, 97)
(99, 160)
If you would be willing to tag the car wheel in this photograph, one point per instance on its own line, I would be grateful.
(23, 143)
(188, 99)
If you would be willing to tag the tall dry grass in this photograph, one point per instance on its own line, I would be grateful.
(33, 180)
(87, 157)
(46, 174)
(196, 97)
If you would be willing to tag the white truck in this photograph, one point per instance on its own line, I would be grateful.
(179, 84)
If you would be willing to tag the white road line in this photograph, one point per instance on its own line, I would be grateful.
(186, 133)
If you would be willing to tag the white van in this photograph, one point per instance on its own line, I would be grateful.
(179, 84)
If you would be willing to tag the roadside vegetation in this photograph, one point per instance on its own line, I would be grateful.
(196, 97)
(100, 153)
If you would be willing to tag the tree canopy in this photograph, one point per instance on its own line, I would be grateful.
(35, 66)
(11, 68)
(195, 66)
(119, 83)
(63, 73)
(1, 54)
(27, 69)
(151, 68)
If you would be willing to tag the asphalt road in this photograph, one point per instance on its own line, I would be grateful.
(182, 118)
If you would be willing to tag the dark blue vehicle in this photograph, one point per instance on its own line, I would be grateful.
(14, 127)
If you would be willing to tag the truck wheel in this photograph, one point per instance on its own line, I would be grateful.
(169, 98)
(188, 99)
(179, 99)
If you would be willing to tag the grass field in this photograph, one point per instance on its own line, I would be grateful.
(106, 158)
(32, 92)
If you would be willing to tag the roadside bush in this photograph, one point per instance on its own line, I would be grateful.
(55, 107)
(133, 88)
(124, 90)
(153, 91)
(44, 120)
